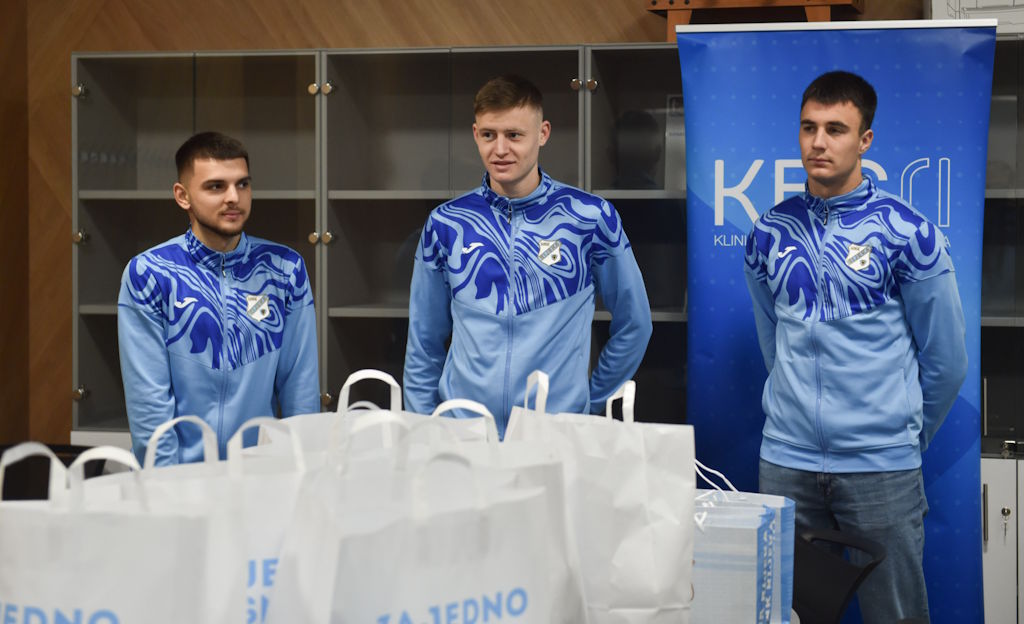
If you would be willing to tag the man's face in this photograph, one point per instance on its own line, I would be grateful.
(831, 145)
(509, 142)
(218, 197)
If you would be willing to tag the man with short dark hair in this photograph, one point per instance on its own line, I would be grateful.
(509, 272)
(861, 327)
(214, 323)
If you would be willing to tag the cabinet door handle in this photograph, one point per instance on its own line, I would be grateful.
(79, 393)
(591, 84)
(984, 512)
(325, 398)
(79, 90)
(79, 237)
(327, 88)
(313, 88)
(327, 238)
(314, 238)
(575, 84)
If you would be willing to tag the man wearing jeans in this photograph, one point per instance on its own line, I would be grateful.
(861, 328)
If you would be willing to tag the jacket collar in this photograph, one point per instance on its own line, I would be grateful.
(840, 203)
(216, 260)
(508, 205)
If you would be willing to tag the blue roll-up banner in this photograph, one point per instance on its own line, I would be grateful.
(742, 86)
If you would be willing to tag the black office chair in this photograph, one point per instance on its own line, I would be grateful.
(824, 582)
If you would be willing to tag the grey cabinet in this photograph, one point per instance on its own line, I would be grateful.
(350, 150)
(1002, 287)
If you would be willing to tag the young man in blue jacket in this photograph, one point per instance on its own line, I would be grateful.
(509, 272)
(214, 323)
(862, 331)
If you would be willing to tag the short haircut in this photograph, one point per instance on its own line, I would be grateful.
(836, 87)
(208, 145)
(507, 92)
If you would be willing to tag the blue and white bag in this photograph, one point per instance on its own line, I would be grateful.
(733, 556)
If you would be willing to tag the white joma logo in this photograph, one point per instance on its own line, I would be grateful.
(469, 248)
(785, 252)
(184, 302)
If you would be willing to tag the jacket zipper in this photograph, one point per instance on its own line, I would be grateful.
(819, 425)
(510, 333)
(223, 354)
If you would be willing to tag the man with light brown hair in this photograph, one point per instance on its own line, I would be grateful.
(509, 272)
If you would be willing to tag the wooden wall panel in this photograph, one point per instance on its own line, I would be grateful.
(13, 224)
(56, 28)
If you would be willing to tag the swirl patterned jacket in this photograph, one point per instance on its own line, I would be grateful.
(861, 328)
(512, 283)
(224, 336)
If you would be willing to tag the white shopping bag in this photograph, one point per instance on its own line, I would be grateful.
(397, 535)
(732, 570)
(317, 432)
(630, 489)
(254, 495)
(75, 559)
(783, 527)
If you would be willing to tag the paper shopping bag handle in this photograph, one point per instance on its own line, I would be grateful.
(539, 379)
(76, 471)
(210, 454)
(344, 429)
(434, 423)
(370, 373)
(420, 505)
(58, 484)
(470, 406)
(235, 459)
(628, 395)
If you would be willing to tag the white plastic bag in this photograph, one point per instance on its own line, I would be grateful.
(783, 526)
(630, 490)
(255, 496)
(732, 570)
(399, 536)
(78, 559)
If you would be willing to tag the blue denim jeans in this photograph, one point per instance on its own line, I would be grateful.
(888, 507)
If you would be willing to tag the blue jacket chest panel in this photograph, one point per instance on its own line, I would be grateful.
(225, 310)
(849, 264)
(503, 256)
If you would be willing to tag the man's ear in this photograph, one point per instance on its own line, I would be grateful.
(865, 140)
(545, 131)
(181, 196)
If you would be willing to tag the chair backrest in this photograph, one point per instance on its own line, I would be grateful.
(824, 581)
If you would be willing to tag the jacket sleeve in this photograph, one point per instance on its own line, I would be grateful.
(297, 379)
(936, 319)
(927, 282)
(430, 325)
(145, 369)
(761, 298)
(618, 280)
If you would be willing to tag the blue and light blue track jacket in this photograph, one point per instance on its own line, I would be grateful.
(512, 283)
(861, 328)
(224, 336)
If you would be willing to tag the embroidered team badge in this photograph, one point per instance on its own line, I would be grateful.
(859, 257)
(257, 307)
(550, 252)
